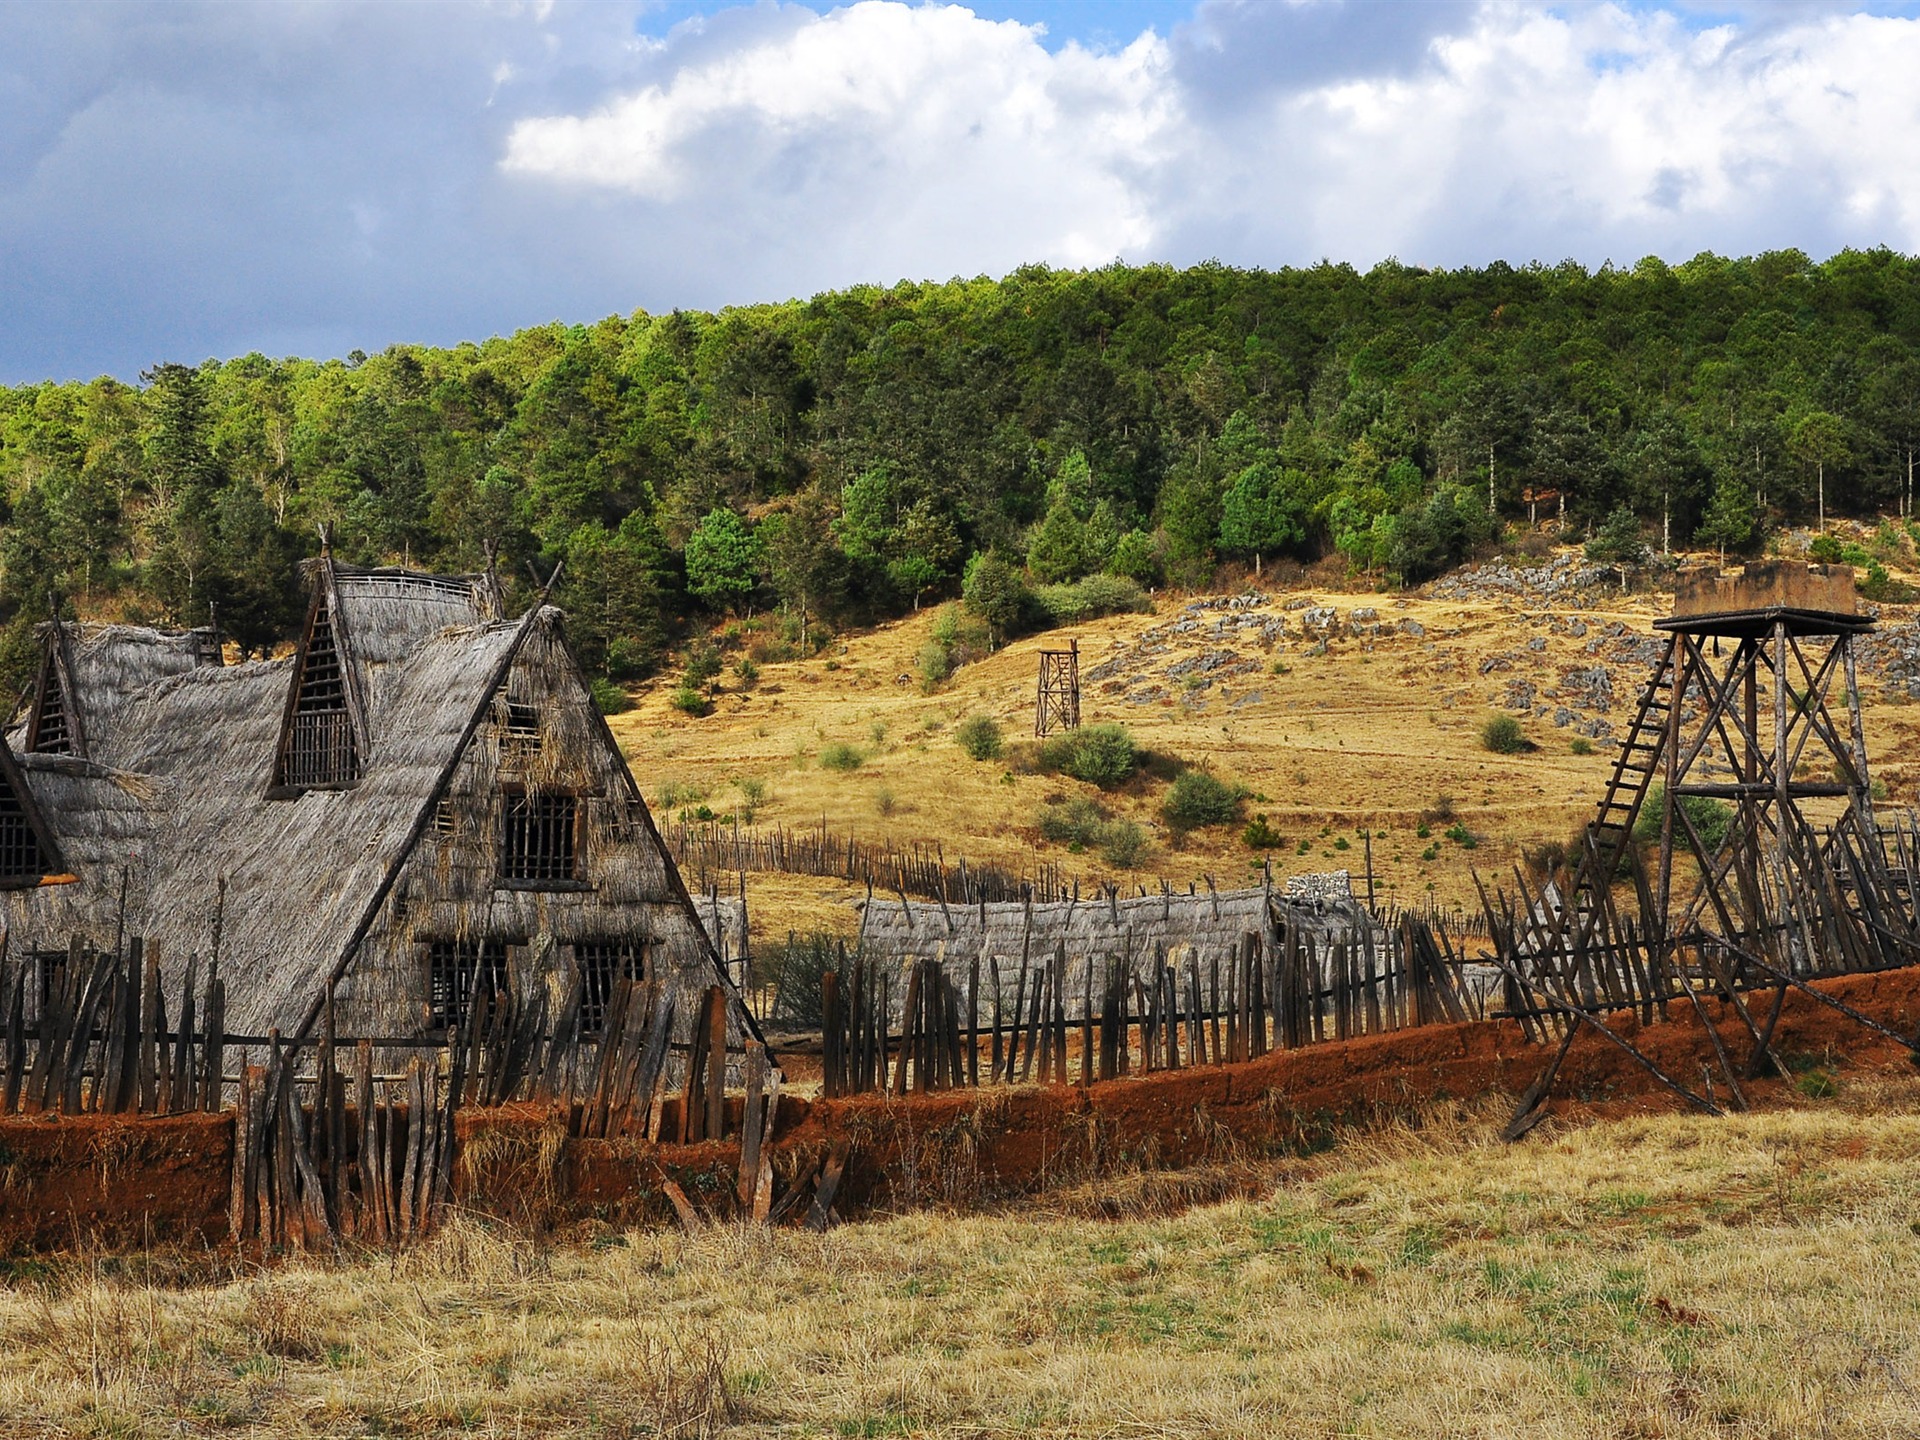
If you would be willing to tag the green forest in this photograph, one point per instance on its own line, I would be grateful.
(858, 454)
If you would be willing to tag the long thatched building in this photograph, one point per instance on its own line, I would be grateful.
(417, 803)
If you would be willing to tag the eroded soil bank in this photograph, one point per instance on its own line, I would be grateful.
(119, 1181)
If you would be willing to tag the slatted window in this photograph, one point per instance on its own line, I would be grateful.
(520, 731)
(445, 820)
(50, 733)
(20, 855)
(457, 972)
(540, 840)
(321, 749)
(603, 965)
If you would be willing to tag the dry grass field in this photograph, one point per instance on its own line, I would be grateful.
(1662, 1276)
(1333, 736)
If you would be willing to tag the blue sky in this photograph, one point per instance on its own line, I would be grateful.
(191, 178)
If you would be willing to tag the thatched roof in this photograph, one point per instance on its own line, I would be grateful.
(389, 611)
(101, 669)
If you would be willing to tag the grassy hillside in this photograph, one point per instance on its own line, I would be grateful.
(1333, 735)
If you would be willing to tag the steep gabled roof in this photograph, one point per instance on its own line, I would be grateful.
(305, 865)
(90, 675)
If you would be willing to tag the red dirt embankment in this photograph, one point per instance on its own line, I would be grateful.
(73, 1181)
(94, 1180)
(971, 1147)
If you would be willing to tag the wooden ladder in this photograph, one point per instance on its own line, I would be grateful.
(1634, 769)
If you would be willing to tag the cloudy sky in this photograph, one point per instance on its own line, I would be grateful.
(180, 180)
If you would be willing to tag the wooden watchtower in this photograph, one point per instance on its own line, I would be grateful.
(1057, 706)
(1753, 704)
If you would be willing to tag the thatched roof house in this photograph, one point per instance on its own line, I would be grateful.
(418, 800)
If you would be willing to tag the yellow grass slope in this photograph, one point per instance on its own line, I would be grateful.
(1370, 726)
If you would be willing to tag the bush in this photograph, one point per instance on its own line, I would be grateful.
(1461, 836)
(1826, 550)
(936, 664)
(980, 737)
(1711, 818)
(1102, 755)
(1259, 835)
(1123, 845)
(1090, 598)
(1198, 799)
(1882, 588)
(609, 698)
(1077, 822)
(1503, 736)
(1581, 745)
(748, 672)
(703, 665)
(690, 700)
(841, 756)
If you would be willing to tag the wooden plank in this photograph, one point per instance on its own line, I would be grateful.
(682, 1207)
(693, 1099)
(241, 1219)
(752, 1122)
(716, 1062)
(821, 1214)
(213, 1070)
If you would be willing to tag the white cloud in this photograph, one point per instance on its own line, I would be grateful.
(924, 137)
(885, 139)
(181, 178)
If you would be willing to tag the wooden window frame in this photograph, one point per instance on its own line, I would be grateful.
(445, 961)
(512, 796)
(598, 954)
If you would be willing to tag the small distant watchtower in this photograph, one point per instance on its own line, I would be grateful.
(1740, 710)
(1058, 704)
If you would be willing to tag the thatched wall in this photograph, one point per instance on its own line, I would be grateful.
(1208, 926)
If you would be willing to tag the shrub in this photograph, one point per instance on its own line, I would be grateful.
(748, 672)
(690, 700)
(884, 802)
(1710, 818)
(1077, 822)
(1441, 812)
(753, 790)
(1198, 799)
(609, 698)
(841, 756)
(1102, 755)
(935, 664)
(1461, 836)
(1581, 745)
(1503, 736)
(1090, 598)
(1826, 550)
(703, 665)
(1123, 844)
(681, 792)
(1882, 588)
(980, 737)
(1259, 835)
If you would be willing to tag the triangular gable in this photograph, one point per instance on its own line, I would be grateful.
(323, 736)
(28, 855)
(55, 727)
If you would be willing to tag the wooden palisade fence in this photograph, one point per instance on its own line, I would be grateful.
(1058, 1019)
